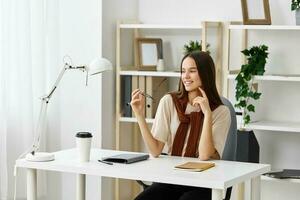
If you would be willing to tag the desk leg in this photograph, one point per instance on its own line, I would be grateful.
(31, 184)
(255, 188)
(241, 191)
(216, 194)
(80, 188)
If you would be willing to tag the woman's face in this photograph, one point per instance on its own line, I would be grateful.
(189, 75)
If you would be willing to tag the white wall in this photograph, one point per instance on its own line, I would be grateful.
(193, 11)
(75, 107)
(113, 10)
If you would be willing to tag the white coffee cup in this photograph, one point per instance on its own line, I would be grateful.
(83, 143)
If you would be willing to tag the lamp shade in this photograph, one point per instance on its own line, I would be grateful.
(99, 65)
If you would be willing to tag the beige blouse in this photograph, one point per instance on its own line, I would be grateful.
(166, 123)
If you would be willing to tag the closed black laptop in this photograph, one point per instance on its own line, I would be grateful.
(126, 158)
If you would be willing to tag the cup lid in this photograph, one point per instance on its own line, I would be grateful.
(84, 135)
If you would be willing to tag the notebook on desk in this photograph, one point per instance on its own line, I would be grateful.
(195, 166)
(127, 158)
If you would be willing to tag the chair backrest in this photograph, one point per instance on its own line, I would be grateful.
(229, 152)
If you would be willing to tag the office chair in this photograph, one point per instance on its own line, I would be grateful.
(229, 152)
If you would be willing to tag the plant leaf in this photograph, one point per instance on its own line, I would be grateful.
(246, 119)
(256, 95)
(251, 108)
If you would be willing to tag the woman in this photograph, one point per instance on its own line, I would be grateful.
(193, 122)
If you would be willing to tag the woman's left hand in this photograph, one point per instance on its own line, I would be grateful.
(203, 102)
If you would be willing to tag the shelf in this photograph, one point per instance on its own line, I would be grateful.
(260, 125)
(133, 119)
(293, 78)
(263, 27)
(275, 126)
(151, 73)
(266, 178)
(161, 26)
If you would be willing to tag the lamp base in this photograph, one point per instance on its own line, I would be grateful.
(40, 157)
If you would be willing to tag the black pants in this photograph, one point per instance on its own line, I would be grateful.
(161, 191)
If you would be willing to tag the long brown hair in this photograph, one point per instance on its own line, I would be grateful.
(206, 71)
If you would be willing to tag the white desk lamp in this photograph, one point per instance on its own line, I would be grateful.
(97, 66)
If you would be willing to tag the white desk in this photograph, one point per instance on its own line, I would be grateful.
(225, 174)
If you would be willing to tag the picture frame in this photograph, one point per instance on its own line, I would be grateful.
(149, 50)
(256, 12)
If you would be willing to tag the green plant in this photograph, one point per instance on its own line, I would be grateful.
(194, 46)
(295, 4)
(244, 90)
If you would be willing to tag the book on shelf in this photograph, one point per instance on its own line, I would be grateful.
(195, 166)
(156, 87)
(126, 83)
(134, 86)
(142, 86)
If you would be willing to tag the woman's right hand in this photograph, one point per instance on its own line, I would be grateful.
(138, 103)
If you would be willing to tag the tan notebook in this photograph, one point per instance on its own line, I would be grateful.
(195, 166)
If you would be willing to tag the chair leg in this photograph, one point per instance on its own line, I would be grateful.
(228, 193)
(142, 184)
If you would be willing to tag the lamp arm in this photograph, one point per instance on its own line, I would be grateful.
(44, 104)
(61, 74)
(41, 124)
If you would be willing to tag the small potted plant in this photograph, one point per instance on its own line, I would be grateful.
(295, 5)
(194, 46)
(247, 145)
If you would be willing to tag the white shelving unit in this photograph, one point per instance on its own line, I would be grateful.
(264, 27)
(161, 26)
(292, 78)
(260, 125)
(132, 119)
(275, 126)
(150, 73)
(263, 125)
